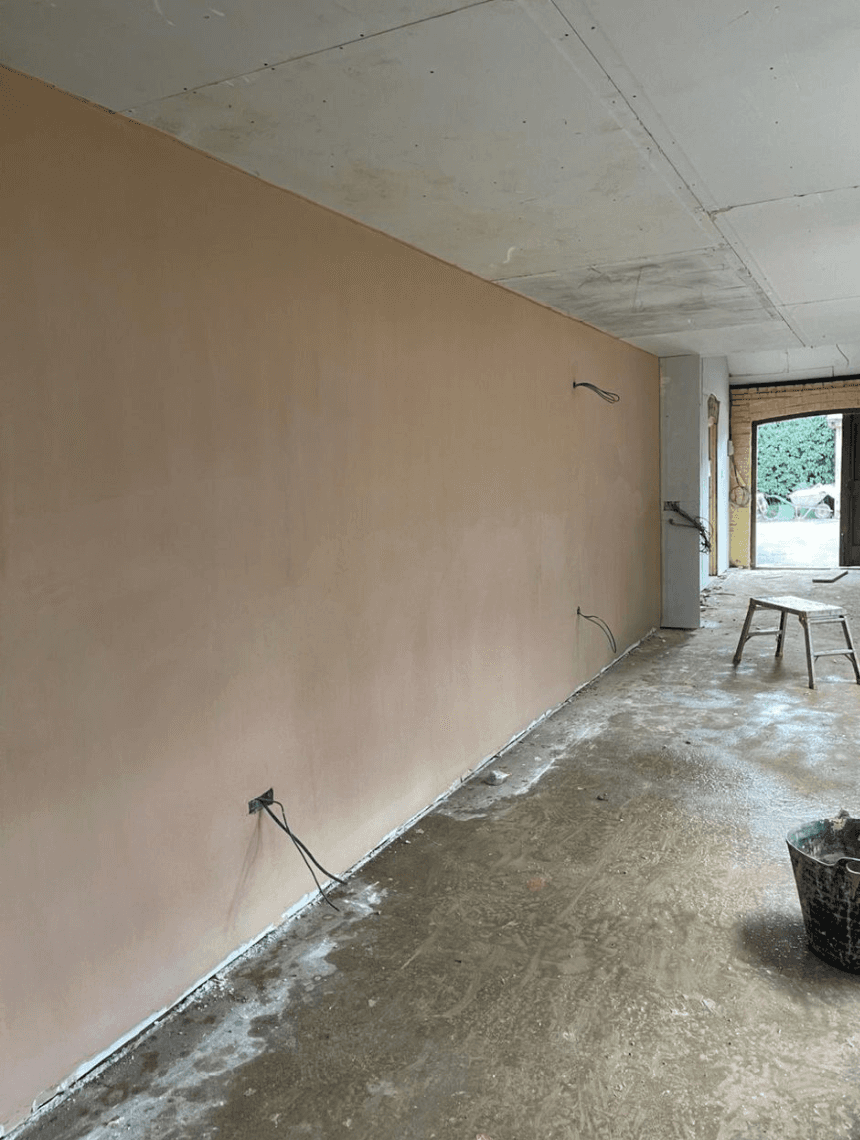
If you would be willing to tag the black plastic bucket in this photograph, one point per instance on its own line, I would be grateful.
(825, 858)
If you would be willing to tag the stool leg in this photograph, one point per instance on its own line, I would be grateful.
(810, 658)
(736, 660)
(780, 640)
(853, 655)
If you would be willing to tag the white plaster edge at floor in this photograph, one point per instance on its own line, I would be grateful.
(89, 1069)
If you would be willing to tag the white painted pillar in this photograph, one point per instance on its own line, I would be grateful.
(680, 481)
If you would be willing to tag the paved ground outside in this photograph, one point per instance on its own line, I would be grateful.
(797, 542)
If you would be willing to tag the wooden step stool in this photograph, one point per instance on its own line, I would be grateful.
(809, 613)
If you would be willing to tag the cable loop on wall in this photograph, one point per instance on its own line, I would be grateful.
(740, 494)
(601, 624)
(693, 523)
(303, 851)
(603, 393)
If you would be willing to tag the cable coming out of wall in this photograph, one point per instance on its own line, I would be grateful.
(601, 624)
(603, 393)
(693, 523)
(303, 851)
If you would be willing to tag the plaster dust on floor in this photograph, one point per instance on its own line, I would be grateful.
(608, 944)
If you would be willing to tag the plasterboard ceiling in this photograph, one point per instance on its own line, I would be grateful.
(683, 174)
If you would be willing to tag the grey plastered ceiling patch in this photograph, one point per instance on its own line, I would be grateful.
(636, 298)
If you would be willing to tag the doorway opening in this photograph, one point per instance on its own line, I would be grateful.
(798, 483)
(713, 522)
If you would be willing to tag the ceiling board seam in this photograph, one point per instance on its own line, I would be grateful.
(681, 184)
(713, 214)
(362, 39)
(758, 277)
(821, 301)
(628, 117)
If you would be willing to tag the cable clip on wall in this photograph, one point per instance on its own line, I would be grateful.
(601, 624)
(609, 397)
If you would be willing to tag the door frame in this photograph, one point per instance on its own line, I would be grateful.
(839, 474)
(713, 475)
(757, 401)
(848, 506)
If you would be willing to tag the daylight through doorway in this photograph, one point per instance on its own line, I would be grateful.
(797, 504)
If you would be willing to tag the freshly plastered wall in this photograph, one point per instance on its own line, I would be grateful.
(285, 503)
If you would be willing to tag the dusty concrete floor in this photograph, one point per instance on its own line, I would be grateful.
(607, 945)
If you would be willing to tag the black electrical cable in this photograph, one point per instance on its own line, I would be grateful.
(303, 846)
(609, 397)
(696, 523)
(737, 475)
(745, 497)
(303, 851)
(601, 624)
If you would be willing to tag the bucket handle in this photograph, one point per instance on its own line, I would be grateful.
(853, 873)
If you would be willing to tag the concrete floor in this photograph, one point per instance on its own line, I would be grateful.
(606, 945)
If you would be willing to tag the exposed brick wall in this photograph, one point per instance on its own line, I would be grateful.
(768, 402)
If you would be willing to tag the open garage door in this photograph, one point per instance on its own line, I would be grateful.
(849, 529)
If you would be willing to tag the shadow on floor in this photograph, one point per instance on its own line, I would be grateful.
(777, 942)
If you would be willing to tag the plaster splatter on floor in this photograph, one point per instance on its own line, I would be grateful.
(181, 1068)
